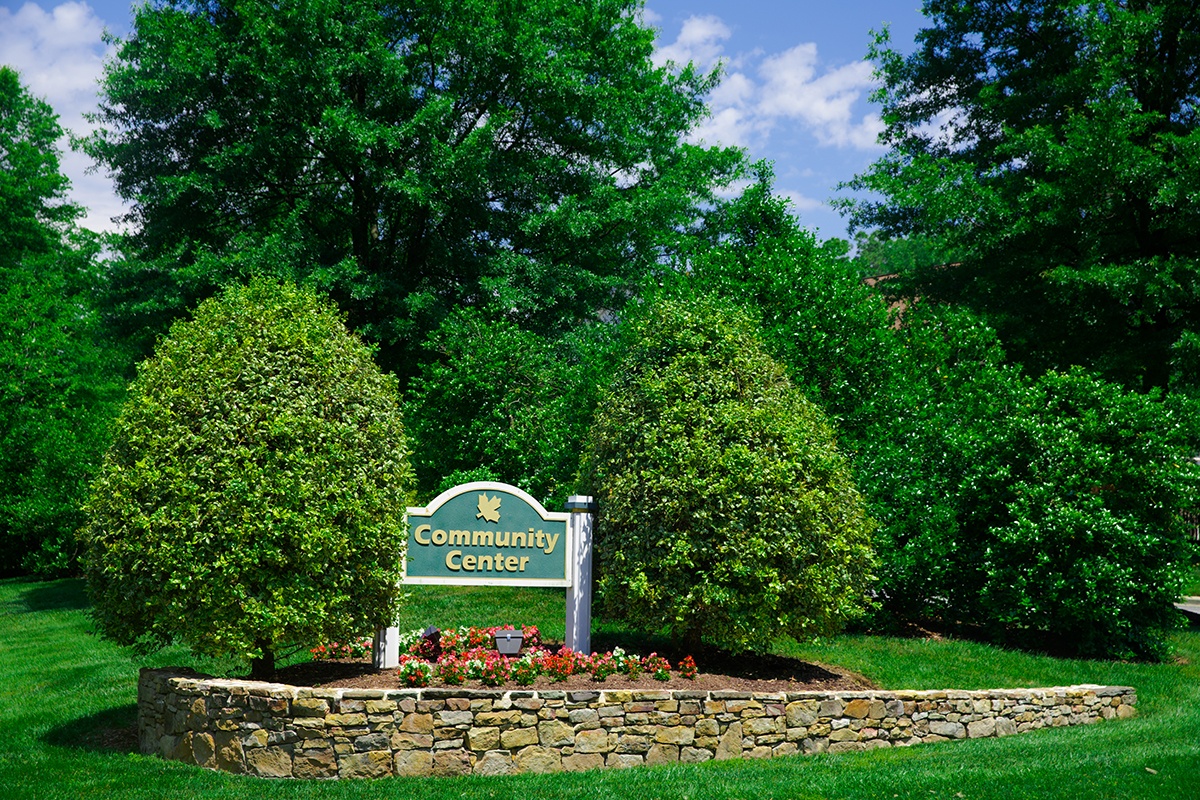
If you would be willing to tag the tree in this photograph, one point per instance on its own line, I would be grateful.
(1030, 510)
(255, 490)
(57, 387)
(727, 513)
(1051, 146)
(494, 402)
(413, 157)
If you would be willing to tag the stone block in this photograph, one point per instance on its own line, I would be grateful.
(480, 739)
(553, 733)
(204, 750)
(801, 713)
(314, 764)
(663, 754)
(758, 727)
(679, 734)
(694, 755)
(310, 707)
(414, 763)
(375, 764)
(730, 745)
(633, 743)
(596, 741)
(830, 708)
(514, 738)
(707, 727)
(411, 741)
(346, 720)
(857, 709)
(539, 759)
(373, 741)
(230, 756)
(951, 730)
(270, 762)
(982, 728)
(451, 762)
(417, 723)
(623, 760)
(579, 762)
(453, 718)
(495, 762)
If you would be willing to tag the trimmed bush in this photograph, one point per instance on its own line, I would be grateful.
(254, 493)
(727, 513)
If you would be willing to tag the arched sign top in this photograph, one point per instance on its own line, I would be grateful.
(487, 486)
(488, 533)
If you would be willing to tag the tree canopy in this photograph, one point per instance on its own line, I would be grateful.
(254, 493)
(1051, 146)
(57, 387)
(410, 157)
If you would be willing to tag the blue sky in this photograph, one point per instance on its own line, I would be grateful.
(795, 89)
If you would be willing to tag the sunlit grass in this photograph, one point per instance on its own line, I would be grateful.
(63, 691)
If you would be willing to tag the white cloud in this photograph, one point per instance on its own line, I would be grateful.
(802, 203)
(793, 89)
(60, 57)
(700, 41)
(792, 86)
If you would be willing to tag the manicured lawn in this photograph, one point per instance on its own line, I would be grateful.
(63, 690)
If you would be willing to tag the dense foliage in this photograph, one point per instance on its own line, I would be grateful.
(255, 490)
(727, 513)
(1052, 147)
(494, 402)
(56, 387)
(409, 158)
(1033, 510)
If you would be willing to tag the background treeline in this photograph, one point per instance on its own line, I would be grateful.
(489, 193)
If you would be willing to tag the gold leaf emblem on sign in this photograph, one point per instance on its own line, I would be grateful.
(489, 509)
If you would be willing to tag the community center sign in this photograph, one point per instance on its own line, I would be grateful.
(489, 533)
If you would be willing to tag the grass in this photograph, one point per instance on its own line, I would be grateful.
(62, 690)
(1191, 587)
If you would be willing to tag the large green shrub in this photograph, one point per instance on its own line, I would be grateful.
(727, 513)
(255, 490)
(1039, 511)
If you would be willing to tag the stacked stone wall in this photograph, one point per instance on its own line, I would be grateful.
(278, 731)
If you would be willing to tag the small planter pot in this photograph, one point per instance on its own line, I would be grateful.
(509, 642)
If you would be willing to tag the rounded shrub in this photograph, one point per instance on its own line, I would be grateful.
(254, 493)
(727, 514)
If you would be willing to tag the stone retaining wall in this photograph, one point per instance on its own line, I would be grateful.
(277, 731)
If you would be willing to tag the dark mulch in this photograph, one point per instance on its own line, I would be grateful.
(747, 673)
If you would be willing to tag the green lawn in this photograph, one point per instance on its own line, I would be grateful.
(63, 691)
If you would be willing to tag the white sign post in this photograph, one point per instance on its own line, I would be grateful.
(579, 594)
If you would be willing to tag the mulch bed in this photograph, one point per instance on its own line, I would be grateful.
(745, 673)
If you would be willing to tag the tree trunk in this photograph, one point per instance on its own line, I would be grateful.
(263, 667)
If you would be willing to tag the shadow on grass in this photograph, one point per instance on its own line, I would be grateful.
(68, 594)
(111, 731)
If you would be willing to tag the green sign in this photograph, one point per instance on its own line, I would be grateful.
(487, 533)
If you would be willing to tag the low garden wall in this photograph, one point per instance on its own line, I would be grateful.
(277, 731)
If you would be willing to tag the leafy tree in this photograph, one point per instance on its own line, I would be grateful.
(255, 490)
(726, 511)
(1031, 510)
(1051, 146)
(1041, 512)
(414, 157)
(56, 389)
(494, 402)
